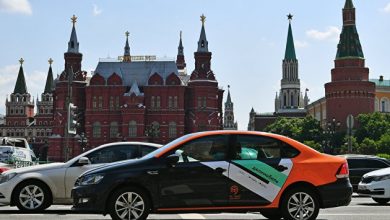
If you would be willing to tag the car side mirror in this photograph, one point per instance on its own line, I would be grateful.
(172, 159)
(83, 161)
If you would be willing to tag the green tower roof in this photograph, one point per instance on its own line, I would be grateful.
(348, 4)
(290, 48)
(20, 86)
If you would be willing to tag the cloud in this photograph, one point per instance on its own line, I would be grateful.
(16, 6)
(332, 33)
(96, 10)
(301, 44)
(387, 8)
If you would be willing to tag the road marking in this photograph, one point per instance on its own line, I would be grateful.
(191, 216)
(355, 214)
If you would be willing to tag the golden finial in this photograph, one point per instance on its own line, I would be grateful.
(21, 61)
(127, 33)
(74, 19)
(50, 61)
(202, 19)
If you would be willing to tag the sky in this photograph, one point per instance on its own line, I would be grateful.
(247, 39)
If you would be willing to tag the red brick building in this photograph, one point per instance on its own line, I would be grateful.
(135, 98)
(350, 91)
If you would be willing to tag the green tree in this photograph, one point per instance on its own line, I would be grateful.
(384, 144)
(372, 126)
(368, 146)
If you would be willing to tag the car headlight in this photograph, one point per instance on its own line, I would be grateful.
(6, 177)
(89, 179)
(381, 178)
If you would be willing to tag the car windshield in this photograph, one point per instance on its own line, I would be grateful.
(167, 146)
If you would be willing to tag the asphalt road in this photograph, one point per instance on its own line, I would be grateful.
(359, 209)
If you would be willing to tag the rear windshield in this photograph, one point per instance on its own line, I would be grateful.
(13, 142)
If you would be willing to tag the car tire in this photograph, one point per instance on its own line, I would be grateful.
(300, 201)
(272, 214)
(32, 196)
(381, 201)
(129, 200)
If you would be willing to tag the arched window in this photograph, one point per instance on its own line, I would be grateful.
(152, 102)
(96, 130)
(117, 102)
(132, 129)
(170, 104)
(172, 130)
(111, 102)
(384, 104)
(284, 100)
(94, 103)
(113, 129)
(158, 102)
(154, 130)
(175, 102)
(292, 100)
(100, 102)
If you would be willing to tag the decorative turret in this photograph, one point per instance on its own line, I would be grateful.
(73, 57)
(349, 44)
(73, 44)
(228, 122)
(126, 55)
(20, 86)
(202, 57)
(203, 43)
(49, 79)
(306, 99)
(290, 95)
(180, 61)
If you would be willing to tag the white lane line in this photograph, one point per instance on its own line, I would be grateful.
(191, 216)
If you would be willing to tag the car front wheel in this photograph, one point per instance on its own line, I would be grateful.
(300, 204)
(129, 203)
(381, 201)
(32, 196)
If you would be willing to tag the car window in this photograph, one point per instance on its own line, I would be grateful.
(376, 164)
(252, 147)
(211, 148)
(113, 154)
(144, 150)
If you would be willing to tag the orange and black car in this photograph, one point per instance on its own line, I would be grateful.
(219, 171)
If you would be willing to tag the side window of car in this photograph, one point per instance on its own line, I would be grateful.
(356, 163)
(113, 154)
(252, 147)
(373, 163)
(144, 150)
(211, 148)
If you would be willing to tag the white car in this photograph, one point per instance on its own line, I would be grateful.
(377, 185)
(16, 150)
(37, 187)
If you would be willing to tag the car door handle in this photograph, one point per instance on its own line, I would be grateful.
(219, 170)
(281, 168)
(152, 172)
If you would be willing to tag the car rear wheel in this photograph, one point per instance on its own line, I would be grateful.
(129, 203)
(272, 214)
(300, 204)
(32, 196)
(381, 201)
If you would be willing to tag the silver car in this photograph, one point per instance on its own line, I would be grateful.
(37, 187)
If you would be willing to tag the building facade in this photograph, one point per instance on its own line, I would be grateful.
(135, 98)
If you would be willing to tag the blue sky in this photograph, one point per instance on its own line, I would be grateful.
(247, 39)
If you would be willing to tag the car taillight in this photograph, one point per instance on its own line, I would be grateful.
(343, 171)
(3, 169)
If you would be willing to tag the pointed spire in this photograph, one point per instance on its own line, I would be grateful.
(49, 79)
(202, 43)
(348, 4)
(180, 48)
(73, 44)
(20, 86)
(228, 100)
(126, 55)
(290, 48)
(349, 45)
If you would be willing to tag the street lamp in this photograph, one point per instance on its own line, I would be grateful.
(330, 134)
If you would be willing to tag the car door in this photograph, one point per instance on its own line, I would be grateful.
(259, 169)
(199, 179)
(97, 158)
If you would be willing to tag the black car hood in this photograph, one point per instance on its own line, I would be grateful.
(126, 164)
